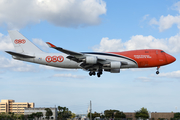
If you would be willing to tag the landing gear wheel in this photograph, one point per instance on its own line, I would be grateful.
(90, 74)
(98, 74)
(157, 72)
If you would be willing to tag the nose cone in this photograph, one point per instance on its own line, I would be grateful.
(170, 58)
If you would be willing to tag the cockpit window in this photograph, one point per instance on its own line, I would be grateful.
(162, 51)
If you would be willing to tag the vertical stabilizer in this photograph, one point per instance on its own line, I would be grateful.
(22, 44)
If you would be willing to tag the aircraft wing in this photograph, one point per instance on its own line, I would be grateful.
(75, 56)
(81, 57)
(64, 50)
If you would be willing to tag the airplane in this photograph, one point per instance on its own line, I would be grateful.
(93, 62)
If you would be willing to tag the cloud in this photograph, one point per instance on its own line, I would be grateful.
(68, 76)
(145, 17)
(152, 79)
(166, 22)
(14, 65)
(109, 45)
(153, 21)
(174, 74)
(171, 45)
(144, 79)
(145, 42)
(66, 13)
(5, 43)
(176, 6)
(41, 44)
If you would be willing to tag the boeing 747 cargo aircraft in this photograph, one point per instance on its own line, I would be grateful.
(94, 62)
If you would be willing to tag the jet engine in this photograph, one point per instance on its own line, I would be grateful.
(115, 65)
(91, 60)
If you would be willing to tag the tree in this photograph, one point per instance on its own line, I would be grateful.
(12, 115)
(48, 113)
(102, 116)
(73, 115)
(15, 116)
(94, 115)
(64, 113)
(32, 116)
(143, 113)
(110, 113)
(21, 117)
(177, 115)
(39, 114)
(119, 115)
(60, 108)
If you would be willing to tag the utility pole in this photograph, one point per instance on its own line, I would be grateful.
(90, 111)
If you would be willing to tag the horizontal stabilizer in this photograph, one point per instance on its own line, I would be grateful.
(19, 54)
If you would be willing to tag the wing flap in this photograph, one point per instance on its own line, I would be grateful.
(19, 54)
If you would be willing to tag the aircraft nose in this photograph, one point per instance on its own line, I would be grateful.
(170, 58)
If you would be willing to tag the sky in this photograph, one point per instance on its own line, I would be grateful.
(86, 26)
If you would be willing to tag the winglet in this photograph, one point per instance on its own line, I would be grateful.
(50, 45)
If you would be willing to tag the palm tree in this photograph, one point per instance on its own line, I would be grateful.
(39, 115)
(48, 113)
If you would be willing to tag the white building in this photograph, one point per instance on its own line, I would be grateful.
(28, 111)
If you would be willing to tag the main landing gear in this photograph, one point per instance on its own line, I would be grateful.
(157, 72)
(92, 73)
(99, 73)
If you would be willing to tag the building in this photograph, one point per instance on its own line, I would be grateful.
(7, 106)
(152, 115)
(156, 116)
(28, 111)
(130, 115)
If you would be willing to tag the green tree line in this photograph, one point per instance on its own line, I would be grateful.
(109, 114)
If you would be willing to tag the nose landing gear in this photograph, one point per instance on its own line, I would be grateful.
(157, 72)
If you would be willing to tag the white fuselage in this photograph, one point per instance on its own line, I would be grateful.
(70, 64)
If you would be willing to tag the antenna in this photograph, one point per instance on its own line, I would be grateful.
(90, 110)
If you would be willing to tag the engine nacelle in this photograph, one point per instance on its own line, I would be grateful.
(115, 65)
(91, 60)
(115, 70)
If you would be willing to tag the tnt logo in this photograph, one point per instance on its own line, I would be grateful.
(54, 59)
(19, 41)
